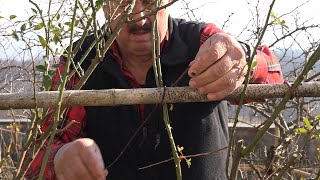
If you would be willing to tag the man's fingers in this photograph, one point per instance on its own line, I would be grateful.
(218, 67)
(74, 170)
(92, 159)
(210, 52)
(223, 93)
(214, 72)
(80, 159)
(83, 172)
(219, 95)
(223, 86)
(229, 79)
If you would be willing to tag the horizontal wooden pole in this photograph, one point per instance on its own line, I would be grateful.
(114, 97)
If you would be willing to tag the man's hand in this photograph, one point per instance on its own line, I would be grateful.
(219, 67)
(79, 160)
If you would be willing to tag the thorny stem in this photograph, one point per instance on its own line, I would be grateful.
(59, 9)
(38, 146)
(177, 160)
(154, 53)
(94, 13)
(14, 134)
(99, 56)
(159, 82)
(79, 44)
(48, 35)
(58, 107)
(77, 48)
(35, 120)
(47, 32)
(25, 148)
(242, 97)
(237, 158)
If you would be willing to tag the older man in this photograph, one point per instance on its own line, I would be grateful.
(216, 61)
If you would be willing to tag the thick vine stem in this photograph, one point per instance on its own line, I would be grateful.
(159, 82)
(236, 159)
(233, 130)
(59, 104)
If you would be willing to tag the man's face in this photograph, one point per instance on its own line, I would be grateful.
(136, 38)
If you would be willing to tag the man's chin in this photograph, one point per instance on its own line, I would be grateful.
(141, 46)
(141, 38)
(142, 50)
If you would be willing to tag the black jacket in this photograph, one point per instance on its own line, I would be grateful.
(198, 127)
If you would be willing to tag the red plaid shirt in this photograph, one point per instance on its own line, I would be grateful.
(267, 71)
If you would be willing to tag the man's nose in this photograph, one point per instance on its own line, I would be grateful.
(139, 12)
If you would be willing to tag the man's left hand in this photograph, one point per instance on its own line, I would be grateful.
(219, 67)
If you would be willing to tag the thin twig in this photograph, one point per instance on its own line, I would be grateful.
(184, 157)
(312, 77)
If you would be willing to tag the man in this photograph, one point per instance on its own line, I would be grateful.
(217, 67)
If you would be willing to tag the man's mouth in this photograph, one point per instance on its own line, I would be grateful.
(140, 32)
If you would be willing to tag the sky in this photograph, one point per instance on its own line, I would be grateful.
(218, 11)
(214, 11)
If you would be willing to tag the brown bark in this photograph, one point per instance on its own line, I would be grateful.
(113, 97)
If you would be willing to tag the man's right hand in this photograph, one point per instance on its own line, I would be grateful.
(80, 159)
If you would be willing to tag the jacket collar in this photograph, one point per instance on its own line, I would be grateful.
(176, 51)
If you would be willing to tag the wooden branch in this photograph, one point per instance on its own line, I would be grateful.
(114, 97)
(301, 172)
(236, 160)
